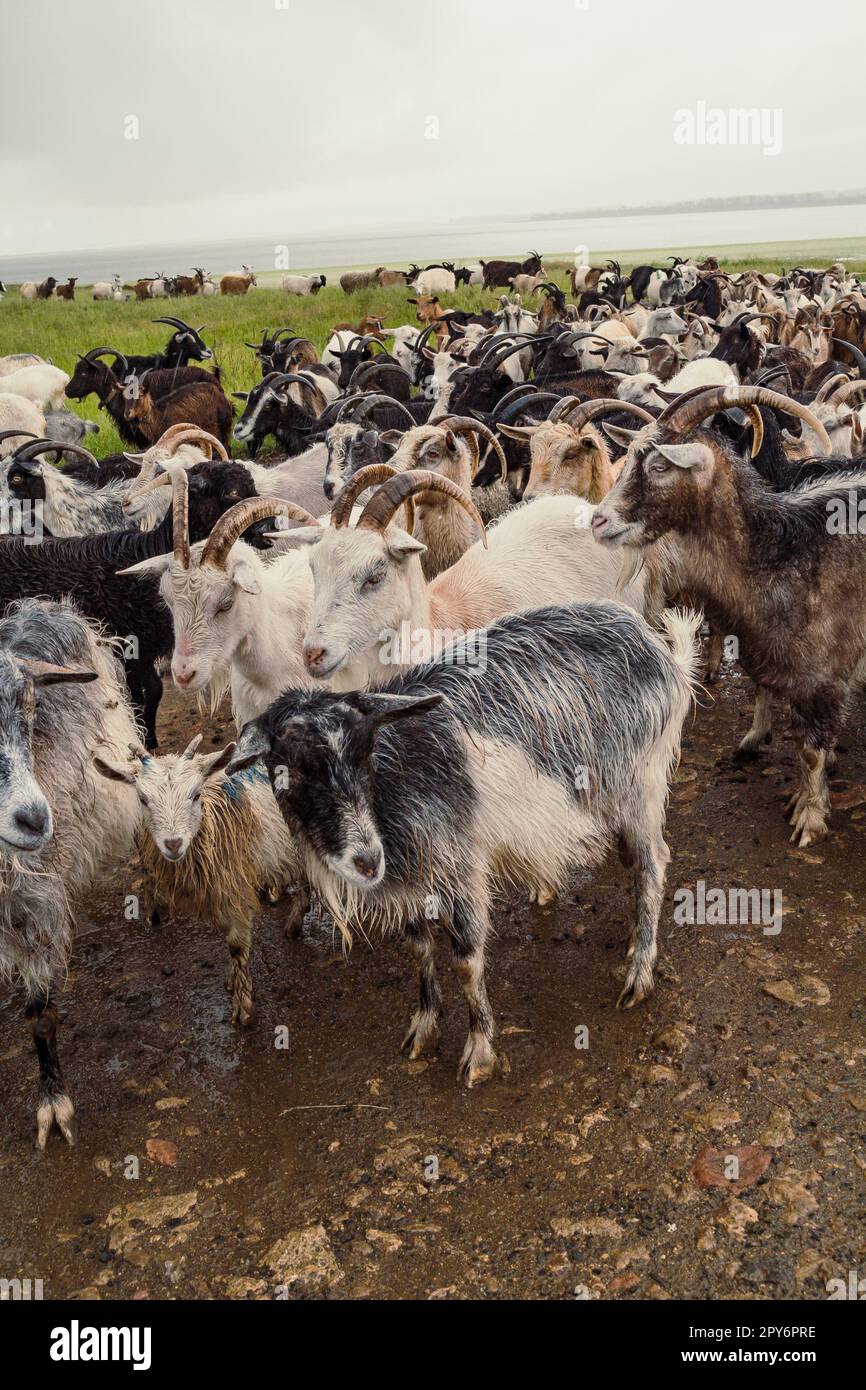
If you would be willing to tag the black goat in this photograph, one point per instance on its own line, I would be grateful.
(501, 273)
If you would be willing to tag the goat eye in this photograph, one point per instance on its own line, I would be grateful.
(226, 603)
(371, 582)
(660, 466)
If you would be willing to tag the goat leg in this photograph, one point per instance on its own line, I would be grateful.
(54, 1103)
(648, 856)
(239, 980)
(762, 722)
(469, 927)
(423, 1032)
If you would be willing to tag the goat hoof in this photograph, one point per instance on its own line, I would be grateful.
(422, 1036)
(477, 1064)
(53, 1109)
(636, 989)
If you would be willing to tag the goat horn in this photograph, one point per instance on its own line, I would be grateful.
(21, 434)
(46, 446)
(190, 434)
(175, 323)
(101, 351)
(377, 398)
(854, 351)
(371, 476)
(581, 413)
(846, 392)
(387, 500)
(829, 385)
(464, 424)
(235, 521)
(685, 416)
(525, 388)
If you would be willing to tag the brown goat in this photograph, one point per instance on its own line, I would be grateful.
(67, 291)
(782, 571)
(200, 403)
(238, 284)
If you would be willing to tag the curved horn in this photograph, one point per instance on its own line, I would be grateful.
(854, 351)
(829, 385)
(377, 398)
(235, 521)
(391, 496)
(374, 473)
(579, 414)
(846, 392)
(191, 434)
(688, 415)
(101, 351)
(20, 434)
(519, 392)
(464, 424)
(53, 446)
(176, 323)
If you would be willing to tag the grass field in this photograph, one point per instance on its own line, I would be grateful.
(60, 331)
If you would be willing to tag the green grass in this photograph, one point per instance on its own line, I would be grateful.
(61, 331)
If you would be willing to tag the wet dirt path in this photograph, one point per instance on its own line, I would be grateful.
(214, 1164)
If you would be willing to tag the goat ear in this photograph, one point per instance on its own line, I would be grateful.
(387, 709)
(400, 544)
(254, 742)
(157, 564)
(215, 762)
(113, 772)
(689, 455)
(619, 434)
(244, 577)
(391, 437)
(522, 432)
(241, 395)
(297, 535)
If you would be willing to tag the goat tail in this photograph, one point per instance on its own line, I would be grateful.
(680, 627)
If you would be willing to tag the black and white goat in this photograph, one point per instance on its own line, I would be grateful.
(580, 706)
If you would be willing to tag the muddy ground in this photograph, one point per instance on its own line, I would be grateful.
(213, 1164)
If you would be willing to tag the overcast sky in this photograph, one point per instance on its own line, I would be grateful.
(264, 117)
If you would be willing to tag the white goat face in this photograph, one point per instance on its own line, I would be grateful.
(170, 792)
(209, 610)
(362, 584)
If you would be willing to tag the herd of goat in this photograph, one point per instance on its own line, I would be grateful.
(479, 561)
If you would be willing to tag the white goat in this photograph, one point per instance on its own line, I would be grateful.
(44, 385)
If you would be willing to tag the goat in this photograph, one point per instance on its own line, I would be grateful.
(61, 827)
(85, 568)
(763, 562)
(45, 385)
(570, 457)
(68, 507)
(200, 403)
(233, 615)
(434, 280)
(581, 707)
(18, 417)
(207, 845)
(368, 583)
(105, 290)
(67, 291)
(238, 284)
(496, 274)
(303, 284)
